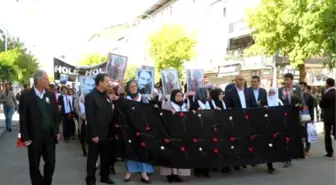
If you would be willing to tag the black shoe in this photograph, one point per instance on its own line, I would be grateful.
(237, 168)
(113, 172)
(329, 155)
(225, 170)
(145, 181)
(177, 178)
(214, 169)
(170, 178)
(128, 180)
(90, 182)
(253, 165)
(270, 170)
(244, 166)
(197, 173)
(9, 130)
(206, 175)
(107, 181)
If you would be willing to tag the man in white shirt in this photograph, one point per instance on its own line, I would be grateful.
(237, 97)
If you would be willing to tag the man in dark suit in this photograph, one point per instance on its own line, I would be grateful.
(328, 104)
(66, 112)
(39, 128)
(255, 93)
(98, 111)
(290, 95)
(237, 97)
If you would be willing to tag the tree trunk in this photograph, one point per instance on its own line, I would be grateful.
(302, 70)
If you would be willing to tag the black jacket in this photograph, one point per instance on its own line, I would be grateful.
(31, 125)
(328, 103)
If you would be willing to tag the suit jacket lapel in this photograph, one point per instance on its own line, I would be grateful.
(246, 97)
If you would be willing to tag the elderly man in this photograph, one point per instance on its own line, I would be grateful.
(39, 128)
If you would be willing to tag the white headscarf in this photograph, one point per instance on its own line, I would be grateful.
(274, 99)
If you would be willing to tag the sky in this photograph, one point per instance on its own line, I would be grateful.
(55, 27)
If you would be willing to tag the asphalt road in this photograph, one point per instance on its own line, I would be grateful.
(70, 169)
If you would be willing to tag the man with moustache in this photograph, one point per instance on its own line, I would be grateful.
(98, 111)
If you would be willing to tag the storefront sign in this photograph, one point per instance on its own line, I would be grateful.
(229, 70)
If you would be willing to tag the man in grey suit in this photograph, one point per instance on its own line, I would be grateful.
(290, 95)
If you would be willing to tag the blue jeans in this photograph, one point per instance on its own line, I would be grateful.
(8, 111)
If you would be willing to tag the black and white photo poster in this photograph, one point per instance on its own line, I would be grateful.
(116, 66)
(195, 80)
(145, 80)
(170, 81)
(87, 84)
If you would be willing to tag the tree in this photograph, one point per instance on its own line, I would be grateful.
(170, 47)
(17, 64)
(92, 59)
(130, 72)
(298, 30)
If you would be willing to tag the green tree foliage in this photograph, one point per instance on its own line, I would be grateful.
(170, 47)
(296, 29)
(17, 64)
(92, 59)
(130, 72)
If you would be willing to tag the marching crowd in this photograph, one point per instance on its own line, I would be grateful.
(43, 107)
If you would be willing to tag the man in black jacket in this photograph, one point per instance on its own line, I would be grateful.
(328, 103)
(98, 110)
(39, 128)
(256, 93)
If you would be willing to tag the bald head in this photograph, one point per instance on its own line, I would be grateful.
(239, 80)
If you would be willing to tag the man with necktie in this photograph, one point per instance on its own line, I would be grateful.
(66, 113)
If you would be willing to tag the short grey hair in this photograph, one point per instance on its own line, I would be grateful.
(38, 75)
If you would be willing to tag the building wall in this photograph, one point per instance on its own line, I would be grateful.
(207, 21)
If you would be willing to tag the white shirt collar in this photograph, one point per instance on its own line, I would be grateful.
(38, 93)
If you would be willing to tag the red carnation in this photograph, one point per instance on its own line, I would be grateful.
(251, 149)
(182, 148)
(195, 140)
(252, 137)
(215, 129)
(116, 125)
(143, 144)
(147, 128)
(215, 140)
(181, 114)
(246, 116)
(232, 139)
(137, 134)
(287, 140)
(166, 140)
(274, 135)
(215, 150)
(285, 114)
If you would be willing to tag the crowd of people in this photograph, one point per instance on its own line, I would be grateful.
(45, 106)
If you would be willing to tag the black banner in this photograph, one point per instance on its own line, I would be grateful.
(208, 138)
(70, 72)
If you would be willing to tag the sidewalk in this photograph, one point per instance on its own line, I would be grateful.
(3, 124)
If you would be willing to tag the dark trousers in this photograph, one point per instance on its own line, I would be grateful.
(305, 134)
(202, 171)
(68, 127)
(270, 166)
(102, 148)
(328, 127)
(112, 153)
(83, 138)
(45, 148)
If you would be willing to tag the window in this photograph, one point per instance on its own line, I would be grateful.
(224, 12)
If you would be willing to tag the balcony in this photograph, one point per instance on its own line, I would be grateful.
(238, 28)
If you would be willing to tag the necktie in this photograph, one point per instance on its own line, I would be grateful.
(69, 102)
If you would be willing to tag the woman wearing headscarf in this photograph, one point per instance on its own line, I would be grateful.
(217, 101)
(135, 166)
(272, 101)
(201, 103)
(175, 104)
